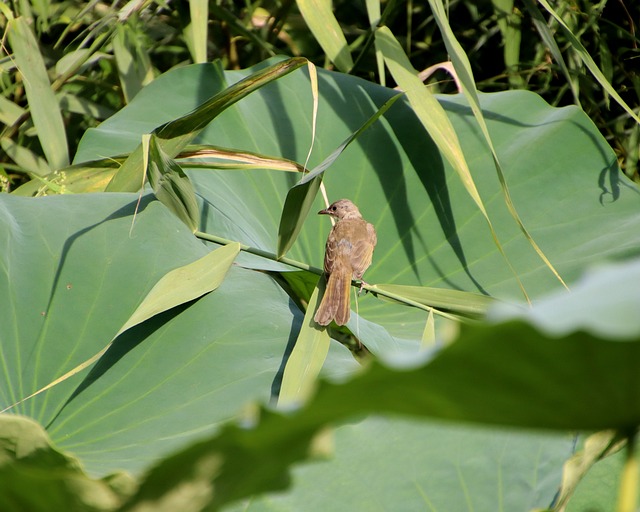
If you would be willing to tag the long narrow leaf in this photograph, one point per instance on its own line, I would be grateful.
(374, 15)
(327, 31)
(429, 333)
(510, 28)
(435, 120)
(301, 196)
(171, 185)
(588, 61)
(132, 60)
(306, 359)
(456, 301)
(547, 37)
(176, 135)
(43, 105)
(223, 158)
(198, 29)
(313, 82)
(25, 158)
(9, 111)
(184, 284)
(463, 69)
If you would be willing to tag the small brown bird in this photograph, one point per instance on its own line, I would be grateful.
(347, 255)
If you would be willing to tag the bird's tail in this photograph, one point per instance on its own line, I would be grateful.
(336, 301)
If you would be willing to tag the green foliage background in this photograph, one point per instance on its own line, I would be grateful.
(156, 337)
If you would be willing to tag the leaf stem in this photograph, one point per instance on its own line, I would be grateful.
(260, 252)
(315, 270)
(409, 302)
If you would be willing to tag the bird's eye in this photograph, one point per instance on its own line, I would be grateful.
(333, 208)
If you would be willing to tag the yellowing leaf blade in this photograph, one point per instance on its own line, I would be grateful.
(306, 359)
(184, 284)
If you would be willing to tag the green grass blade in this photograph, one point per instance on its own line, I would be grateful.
(510, 28)
(435, 120)
(313, 82)
(76, 104)
(306, 359)
(465, 303)
(184, 284)
(25, 158)
(43, 105)
(9, 111)
(301, 196)
(374, 15)
(463, 69)
(295, 210)
(547, 37)
(197, 31)
(176, 135)
(429, 333)
(583, 54)
(427, 108)
(215, 157)
(327, 31)
(171, 185)
(132, 60)
(596, 447)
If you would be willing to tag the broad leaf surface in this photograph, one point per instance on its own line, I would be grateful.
(72, 274)
(509, 373)
(400, 464)
(562, 176)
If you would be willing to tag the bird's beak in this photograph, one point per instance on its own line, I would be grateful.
(324, 212)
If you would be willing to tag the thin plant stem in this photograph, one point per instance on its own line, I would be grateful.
(315, 270)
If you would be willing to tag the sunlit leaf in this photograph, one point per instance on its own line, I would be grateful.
(326, 29)
(43, 105)
(171, 185)
(301, 196)
(176, 134)
(306, 359)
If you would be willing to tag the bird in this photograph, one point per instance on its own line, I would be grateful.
(348, 253)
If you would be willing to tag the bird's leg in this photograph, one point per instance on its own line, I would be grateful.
(362, 284)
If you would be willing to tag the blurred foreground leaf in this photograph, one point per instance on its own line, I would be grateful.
(35, 476)
(506, 373)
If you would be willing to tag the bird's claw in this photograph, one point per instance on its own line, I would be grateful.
(362, 284)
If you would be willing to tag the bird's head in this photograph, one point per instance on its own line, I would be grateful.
(342, 209)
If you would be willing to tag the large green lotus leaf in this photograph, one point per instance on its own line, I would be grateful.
(516, 372)
(391, 463)
(73, 271)
(561, 173)
(188, 92)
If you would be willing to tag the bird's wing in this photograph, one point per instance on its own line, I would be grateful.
(331, 251)
(362, 250)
